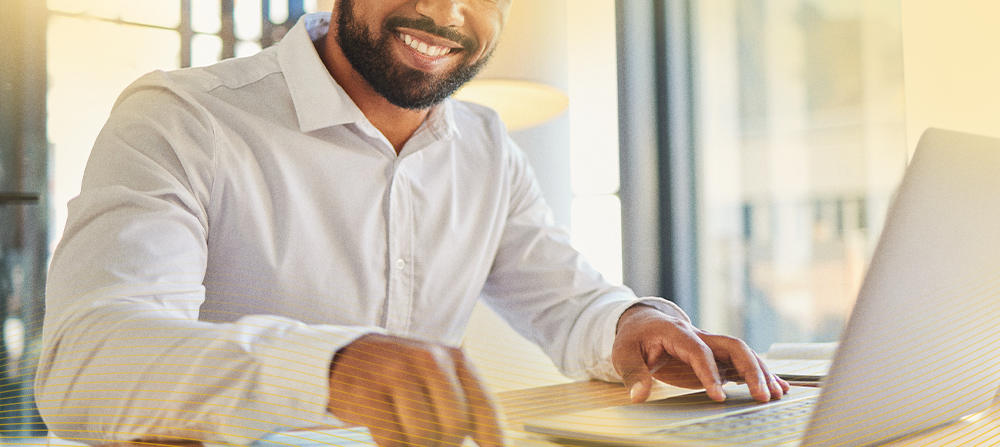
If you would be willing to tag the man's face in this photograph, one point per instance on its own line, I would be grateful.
(416, 53)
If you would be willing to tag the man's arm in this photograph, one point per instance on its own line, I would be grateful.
(125, 356)
(653, 344)
(590, 328)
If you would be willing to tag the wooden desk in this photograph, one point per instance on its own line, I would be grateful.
(977, 430)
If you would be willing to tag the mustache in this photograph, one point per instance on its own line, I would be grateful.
(427, 25)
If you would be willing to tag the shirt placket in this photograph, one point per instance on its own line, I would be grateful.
(400, 290)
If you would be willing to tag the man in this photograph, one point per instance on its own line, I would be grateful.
(297, 238)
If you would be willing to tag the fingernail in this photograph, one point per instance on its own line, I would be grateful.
(634, 390)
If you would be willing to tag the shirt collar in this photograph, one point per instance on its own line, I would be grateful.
(321, 102)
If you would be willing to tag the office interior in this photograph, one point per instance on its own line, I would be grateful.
(735, 156)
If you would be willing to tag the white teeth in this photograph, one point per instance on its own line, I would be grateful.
(423, 48)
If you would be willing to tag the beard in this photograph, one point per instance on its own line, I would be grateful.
(371, 56)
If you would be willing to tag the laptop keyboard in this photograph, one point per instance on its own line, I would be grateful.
(768, 424)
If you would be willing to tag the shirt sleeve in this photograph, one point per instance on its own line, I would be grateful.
(124, 355)
(548, 292)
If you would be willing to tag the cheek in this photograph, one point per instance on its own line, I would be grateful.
(489, 35)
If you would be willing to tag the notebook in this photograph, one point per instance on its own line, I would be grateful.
(921, 348)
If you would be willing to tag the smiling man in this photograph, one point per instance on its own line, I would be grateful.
(298, 238)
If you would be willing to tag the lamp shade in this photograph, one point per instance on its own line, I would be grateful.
(521, 104)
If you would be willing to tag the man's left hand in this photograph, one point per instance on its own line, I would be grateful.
(651, 344)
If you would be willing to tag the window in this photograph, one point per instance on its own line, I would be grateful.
(781, 140)
(801, 141)
(98, 47)
(23, 248)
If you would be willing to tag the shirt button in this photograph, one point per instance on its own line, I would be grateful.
(400, 264)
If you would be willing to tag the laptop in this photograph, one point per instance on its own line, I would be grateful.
(921, 348)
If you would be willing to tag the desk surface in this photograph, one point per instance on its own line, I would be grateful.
(980, 429)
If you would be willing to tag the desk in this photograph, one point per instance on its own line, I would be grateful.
(980, 429)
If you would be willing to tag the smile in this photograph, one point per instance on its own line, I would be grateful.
(422, 47)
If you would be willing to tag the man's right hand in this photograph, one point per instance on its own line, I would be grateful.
(411, 393)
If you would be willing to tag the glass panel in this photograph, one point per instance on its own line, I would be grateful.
(244, 48)
(593, 92)
(278, 12)
(205, 49)
(108, 9)
(13, 329)
(597, 233)
(89, 63)
(206, 16)
(165, 13)
(801, 142)
(247, 19)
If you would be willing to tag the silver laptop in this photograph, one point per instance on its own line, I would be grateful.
(922, 346)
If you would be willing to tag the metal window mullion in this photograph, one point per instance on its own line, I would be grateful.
(675, 116)
(228, 31)
(296, 9)
(266, 26)
(639, 190)
(659, 237)
(186, 33)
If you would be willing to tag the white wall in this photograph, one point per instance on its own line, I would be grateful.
(951, 51)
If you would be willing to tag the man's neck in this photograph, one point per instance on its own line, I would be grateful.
(396, 123)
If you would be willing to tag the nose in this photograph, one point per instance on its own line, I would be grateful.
(446, 13)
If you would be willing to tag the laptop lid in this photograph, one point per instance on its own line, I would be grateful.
(922, 346)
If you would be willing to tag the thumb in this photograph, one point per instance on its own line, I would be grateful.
(635, 375)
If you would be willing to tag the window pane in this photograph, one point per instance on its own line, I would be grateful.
(593, 104)
(206, 49)
(279, 12)
(597, 233)
(801, 142)
(244, 49)
(166, 13)
(247, 19)
(108, 9)
(89, 64)
(206, 16)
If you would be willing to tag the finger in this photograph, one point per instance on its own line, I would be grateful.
(483, 422)
(701, 358)
(775, 384)
(441, 416)
(419, 419)
(744, 360)
(631, 366)
(365, 404)
(397, 389)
